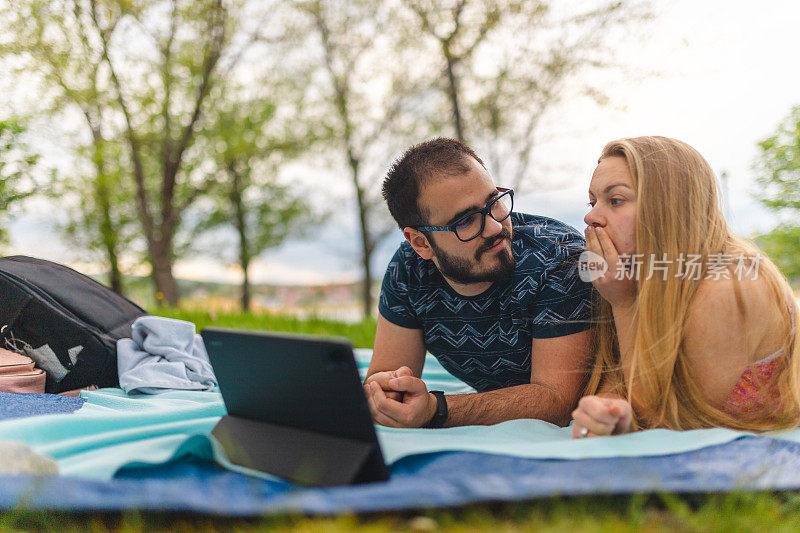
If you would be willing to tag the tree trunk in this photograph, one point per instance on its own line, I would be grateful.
(246, 286)
(108, 233)
(452, 83)
(366, 295)
(241, 229)
(366, 247)
(114, 274)
(164, 280)
(342, 89)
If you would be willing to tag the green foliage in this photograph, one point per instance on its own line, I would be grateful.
(782, 245)
(101, 215)
(248, 143)
(57, 43)
(144, 75)
(778, 168)
(16, 163)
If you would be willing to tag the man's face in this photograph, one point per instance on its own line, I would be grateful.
(485, 258)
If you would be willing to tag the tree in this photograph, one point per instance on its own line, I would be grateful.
(778, 169)
(368, 94)
(554, 58)
(458, 28)
(504, 64)
(55, 41)
(16, 163)
(162, 111)
(186, 52)
(143, 74)
(249, 144)
(101, 217)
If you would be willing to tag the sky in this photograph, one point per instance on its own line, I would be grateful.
(726, 77)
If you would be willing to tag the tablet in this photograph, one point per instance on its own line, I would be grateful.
(296, 407)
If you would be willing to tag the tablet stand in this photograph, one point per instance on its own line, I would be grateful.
(298, 455)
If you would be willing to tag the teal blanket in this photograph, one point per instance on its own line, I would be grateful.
(114, 430)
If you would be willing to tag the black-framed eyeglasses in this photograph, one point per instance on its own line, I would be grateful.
(471, 225)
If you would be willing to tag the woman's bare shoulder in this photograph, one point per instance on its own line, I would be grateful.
(735, 313)
(720, 340)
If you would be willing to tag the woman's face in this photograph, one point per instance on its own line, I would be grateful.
(612, 198)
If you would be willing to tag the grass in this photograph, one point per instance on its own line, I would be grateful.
(361, 334)
(639, 513)
(733, 512)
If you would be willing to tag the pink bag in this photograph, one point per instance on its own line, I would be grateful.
(18, 374)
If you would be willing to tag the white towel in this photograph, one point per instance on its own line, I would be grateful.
(163, 354)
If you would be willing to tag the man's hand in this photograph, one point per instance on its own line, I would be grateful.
(416, 408)
(383, 378)
(601, 416)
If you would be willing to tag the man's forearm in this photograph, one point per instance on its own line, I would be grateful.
(522, 401)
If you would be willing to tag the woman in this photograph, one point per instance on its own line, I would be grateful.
(695, 327)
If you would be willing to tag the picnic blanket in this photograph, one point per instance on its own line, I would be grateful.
(119, 451)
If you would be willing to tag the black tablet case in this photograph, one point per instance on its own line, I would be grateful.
(296, 407)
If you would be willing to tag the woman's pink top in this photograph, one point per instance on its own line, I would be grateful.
(757, 389)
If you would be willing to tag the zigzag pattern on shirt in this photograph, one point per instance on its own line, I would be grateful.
(549, 318)
(494, 328)
(467, 332)
(441, 298)
(501, 372)
(465, 362)
(548, 315)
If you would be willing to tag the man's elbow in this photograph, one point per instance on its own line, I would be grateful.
(561, 404)
(562, 412)
(563, 417)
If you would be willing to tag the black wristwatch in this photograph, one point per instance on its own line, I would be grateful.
(440, 417)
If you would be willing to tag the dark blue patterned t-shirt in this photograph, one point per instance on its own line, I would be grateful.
(485, 340)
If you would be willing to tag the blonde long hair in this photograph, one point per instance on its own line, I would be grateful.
(678, 213)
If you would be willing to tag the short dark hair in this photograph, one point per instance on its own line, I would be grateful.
(420, 163)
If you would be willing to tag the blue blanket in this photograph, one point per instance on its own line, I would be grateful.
(445, 479)
(154, 447)
(25, 405)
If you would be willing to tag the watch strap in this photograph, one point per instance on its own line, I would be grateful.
(440, 416)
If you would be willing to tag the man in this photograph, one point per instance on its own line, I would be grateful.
(494, 296)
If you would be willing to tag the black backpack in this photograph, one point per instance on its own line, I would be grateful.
(65, 321)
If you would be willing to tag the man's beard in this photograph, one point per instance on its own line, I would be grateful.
(461, 270)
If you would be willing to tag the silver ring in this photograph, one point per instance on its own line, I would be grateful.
(584, 432)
